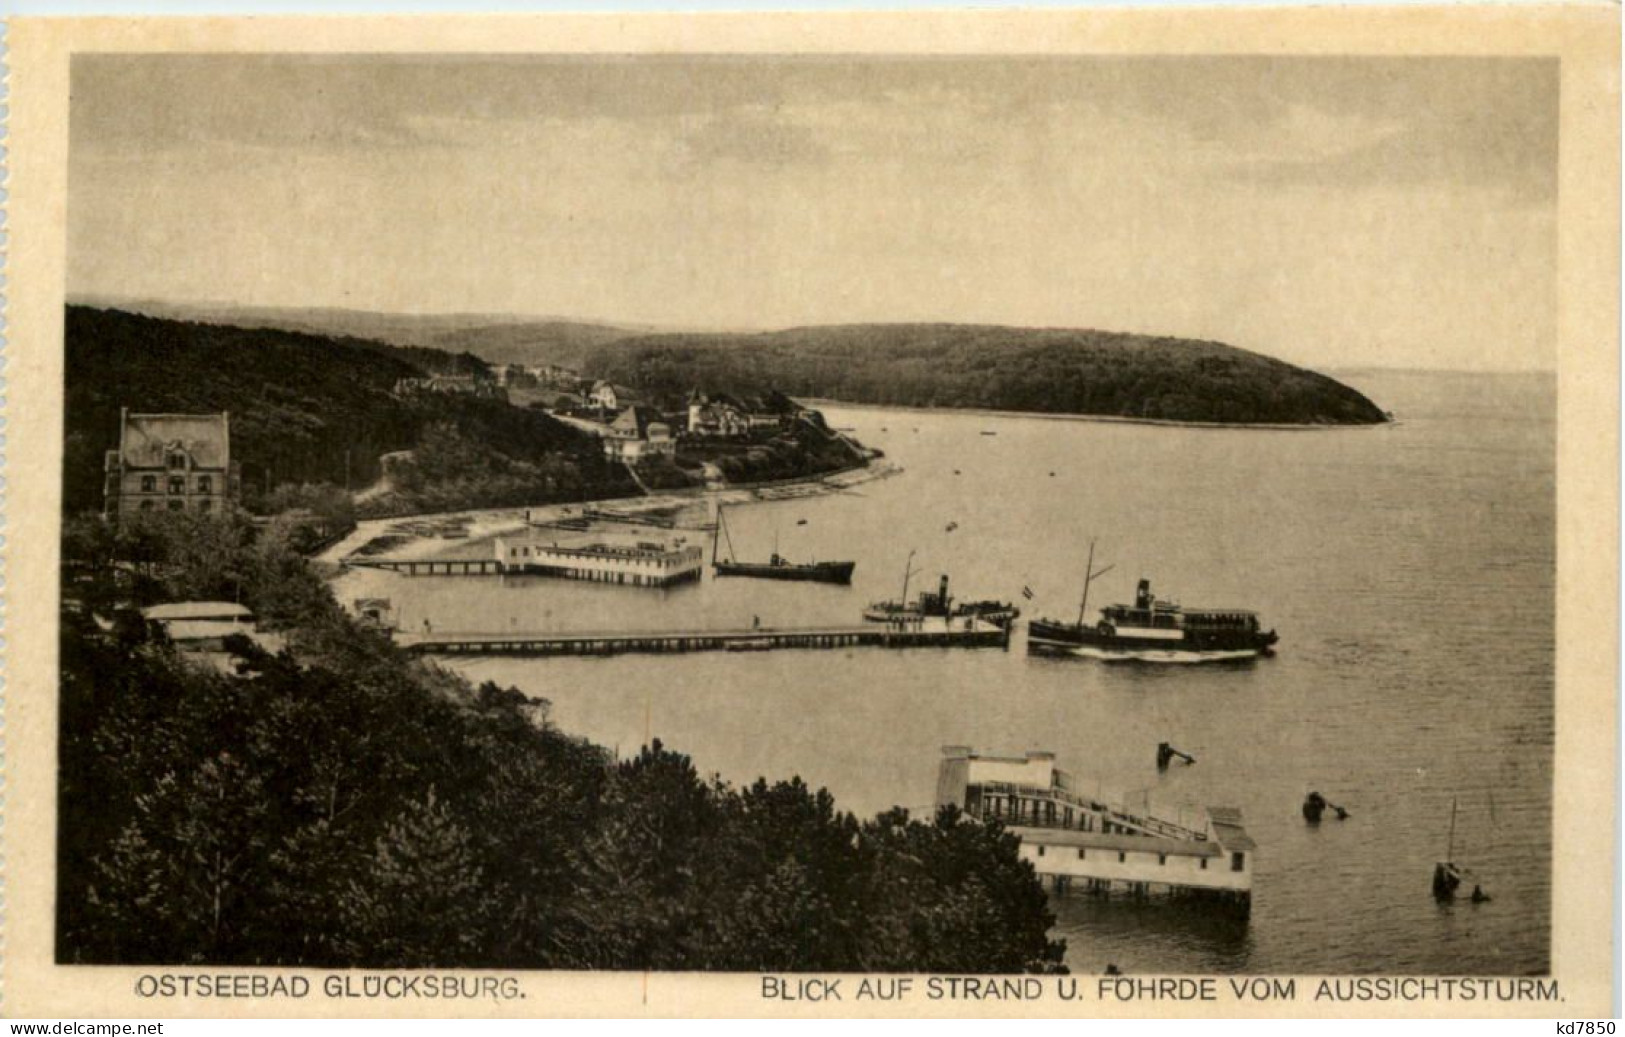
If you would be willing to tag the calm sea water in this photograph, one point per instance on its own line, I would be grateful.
(1409, 570)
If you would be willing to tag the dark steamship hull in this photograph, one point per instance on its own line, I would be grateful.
(814, 572)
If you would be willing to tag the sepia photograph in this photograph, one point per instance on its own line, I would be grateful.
(796, 513)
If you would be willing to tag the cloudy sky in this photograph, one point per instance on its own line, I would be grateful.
(1331, 211)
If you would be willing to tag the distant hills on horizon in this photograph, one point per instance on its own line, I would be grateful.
(507, 338)
(516, 338)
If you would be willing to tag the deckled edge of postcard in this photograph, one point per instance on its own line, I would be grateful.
(5, 340)
(1584, 37)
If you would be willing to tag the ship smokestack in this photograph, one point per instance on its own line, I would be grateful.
(1142, 597)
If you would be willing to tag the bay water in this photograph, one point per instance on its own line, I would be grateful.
(1409, 570)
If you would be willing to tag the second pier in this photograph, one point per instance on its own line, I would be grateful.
(973, 634)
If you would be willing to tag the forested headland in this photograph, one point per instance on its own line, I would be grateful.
(1047, 371)
(308, 409)
(1040, 370)
(342, 804)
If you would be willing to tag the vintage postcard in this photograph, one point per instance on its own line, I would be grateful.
(1085, 513)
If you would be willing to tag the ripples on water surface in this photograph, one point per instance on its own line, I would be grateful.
(1409, 570)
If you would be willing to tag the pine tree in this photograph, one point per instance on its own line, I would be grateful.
(418, 903)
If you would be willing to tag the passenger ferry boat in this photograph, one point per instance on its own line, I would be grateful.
(938, 604)
(1154, 631)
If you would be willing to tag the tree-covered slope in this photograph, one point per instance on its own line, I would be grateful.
(1020, 369)
(342, 805)
(306, 408)
(500, 337)
(532, 342)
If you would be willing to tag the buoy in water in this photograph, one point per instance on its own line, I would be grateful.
(1166, 754)
(1314, 805)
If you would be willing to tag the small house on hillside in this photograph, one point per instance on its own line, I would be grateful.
(609, 396)
(639, 432)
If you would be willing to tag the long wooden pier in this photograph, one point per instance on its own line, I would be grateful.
(431, 566)
(977, 634)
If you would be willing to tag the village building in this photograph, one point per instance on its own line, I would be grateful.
(736, 417)
(377, 613)
(638, 433)
(1070, 836)
(170, 462)
(609, 396)
(201, 626)
(716, 416)
(761, 413)
(556, 377)
(448, 383)
(515, 376)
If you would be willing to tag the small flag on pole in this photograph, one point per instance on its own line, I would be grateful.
(1027, 592)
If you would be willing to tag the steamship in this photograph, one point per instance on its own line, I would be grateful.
(1155, 630)
(777, 567)
(938, 604)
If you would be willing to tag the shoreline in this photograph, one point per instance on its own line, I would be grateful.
(484, 523)
(1109, 419)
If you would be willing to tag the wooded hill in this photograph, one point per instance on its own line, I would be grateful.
(1046, 371)
(313, 409)
(502, 338)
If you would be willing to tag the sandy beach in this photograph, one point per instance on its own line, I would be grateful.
(686, 509)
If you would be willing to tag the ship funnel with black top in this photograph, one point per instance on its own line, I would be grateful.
(1142, 596)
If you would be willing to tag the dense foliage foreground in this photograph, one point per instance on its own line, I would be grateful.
(341, 804)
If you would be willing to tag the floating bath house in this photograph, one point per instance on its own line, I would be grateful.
(1080, 843)
(602, 559)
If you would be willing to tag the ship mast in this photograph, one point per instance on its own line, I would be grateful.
(908, 570)
(1450, 847)
(1089, 575)
(721, 527)
(716, 529)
